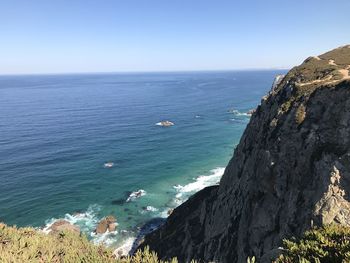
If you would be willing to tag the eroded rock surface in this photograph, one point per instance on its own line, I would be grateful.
(290, 171)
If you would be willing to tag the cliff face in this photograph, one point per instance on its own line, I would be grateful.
(291, 170)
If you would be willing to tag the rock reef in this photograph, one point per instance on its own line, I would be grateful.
(107, 223)
(63, 225)
(290, 171)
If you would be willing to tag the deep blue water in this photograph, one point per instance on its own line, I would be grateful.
(57, 132)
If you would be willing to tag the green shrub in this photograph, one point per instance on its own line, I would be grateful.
(27, 245)
(329, 244)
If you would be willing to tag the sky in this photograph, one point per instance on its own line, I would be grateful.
(77, 36)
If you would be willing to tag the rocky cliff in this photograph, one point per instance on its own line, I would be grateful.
(290, 171)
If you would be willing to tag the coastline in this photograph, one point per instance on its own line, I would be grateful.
(121, 240)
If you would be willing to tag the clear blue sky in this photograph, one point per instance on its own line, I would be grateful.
(163, 35)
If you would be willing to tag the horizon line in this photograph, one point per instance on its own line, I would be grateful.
(139, 72)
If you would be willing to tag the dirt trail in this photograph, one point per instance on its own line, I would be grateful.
(328, 79)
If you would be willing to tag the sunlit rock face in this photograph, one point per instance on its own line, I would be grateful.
(290, 171)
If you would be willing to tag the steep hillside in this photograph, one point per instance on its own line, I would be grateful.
(290, 171)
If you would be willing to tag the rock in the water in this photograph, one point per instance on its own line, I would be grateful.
(112, 227)
(108, 165)
(101, 227)
(165, 123)
(63, 225)
(107, 223)
(291, 170)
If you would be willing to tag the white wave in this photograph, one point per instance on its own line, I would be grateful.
(148, 209)
(108, 165)
(183, 192)
(125, 248)
(86, 220)
(159, 124)
(238, 113)
(107, 238)
(151, 209)
(122, 239)
(135, 195)
(164, 213)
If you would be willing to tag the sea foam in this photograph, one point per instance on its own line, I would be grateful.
(87, 222)
(135, 195)
(184, 192)
(125, 248)
(238, 113)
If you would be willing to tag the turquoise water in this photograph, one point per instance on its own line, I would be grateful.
(58, 131)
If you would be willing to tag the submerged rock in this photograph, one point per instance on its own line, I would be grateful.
(290, 171)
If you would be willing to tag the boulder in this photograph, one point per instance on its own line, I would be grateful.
(112, 227)
(107, 223)
(63, 225)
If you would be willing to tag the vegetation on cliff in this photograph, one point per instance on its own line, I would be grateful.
(326, 244)
(18, 245)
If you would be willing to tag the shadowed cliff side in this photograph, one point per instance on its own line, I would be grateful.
(291, 170)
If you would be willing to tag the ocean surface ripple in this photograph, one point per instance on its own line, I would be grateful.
(81, 147)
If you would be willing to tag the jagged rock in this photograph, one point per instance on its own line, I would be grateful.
(63, 225)
(107, 223)
(290, 171)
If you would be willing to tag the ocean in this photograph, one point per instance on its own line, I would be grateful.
(82, 147)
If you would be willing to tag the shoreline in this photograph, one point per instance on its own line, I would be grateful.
(122, 241)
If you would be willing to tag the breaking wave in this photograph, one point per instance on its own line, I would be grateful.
(135, 195)
(185, 191)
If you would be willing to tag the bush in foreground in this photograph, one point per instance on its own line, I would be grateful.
(29, 245)
(328, 244)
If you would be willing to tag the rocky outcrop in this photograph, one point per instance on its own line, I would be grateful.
(63, 225)
(290, 171)
(107, 223)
